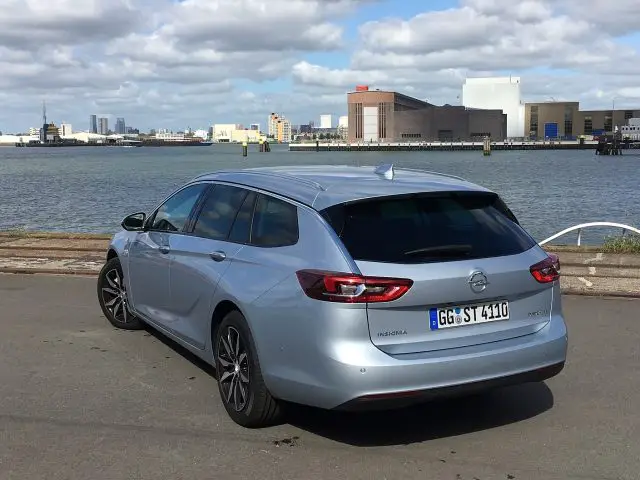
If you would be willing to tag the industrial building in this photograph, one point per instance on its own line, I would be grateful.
(566, 120)
(497, 93)
(385, 116)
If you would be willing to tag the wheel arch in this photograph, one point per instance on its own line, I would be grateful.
(222, 309)
(111, 254)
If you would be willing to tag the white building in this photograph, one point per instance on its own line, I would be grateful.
(87, 137)
(343, 127)
(223, 132)
(234, 133)
(34, 131)
(13, 139)
(325, 121)
(65, 129)
(631, 130)
(497, 93)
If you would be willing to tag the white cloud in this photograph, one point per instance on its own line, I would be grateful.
(434, 51)
(200, 61)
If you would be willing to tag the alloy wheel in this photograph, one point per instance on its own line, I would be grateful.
(233, 361)
(114, 296)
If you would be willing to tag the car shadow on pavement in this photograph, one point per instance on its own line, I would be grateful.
(428, 421)
(180, 350)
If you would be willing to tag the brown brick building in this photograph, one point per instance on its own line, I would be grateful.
(382, 116)
(570, 121)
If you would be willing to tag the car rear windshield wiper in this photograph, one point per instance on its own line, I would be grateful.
(441, 250)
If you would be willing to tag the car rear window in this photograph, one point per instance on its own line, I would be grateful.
(428, 228)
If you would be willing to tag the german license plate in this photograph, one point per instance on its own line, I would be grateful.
(450, 317)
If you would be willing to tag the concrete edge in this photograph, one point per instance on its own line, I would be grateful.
(48, 271)
(55, 235)
(595, 293)
(53, 249)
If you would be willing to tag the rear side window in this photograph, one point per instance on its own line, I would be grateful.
(275, 223)
(428, 228)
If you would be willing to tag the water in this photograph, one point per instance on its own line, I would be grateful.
(91, 189)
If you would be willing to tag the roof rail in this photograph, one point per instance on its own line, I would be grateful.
(305, 181)
(433, 173)
(587, 225)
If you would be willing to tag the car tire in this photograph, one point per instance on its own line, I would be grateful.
(242, 389)
(112, 296)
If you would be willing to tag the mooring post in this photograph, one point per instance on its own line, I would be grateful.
(486, 146)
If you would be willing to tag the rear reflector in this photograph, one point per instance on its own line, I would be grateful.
(350, 288)
(548, 270)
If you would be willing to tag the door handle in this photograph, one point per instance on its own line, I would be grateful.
(218, 256)
(164, 249)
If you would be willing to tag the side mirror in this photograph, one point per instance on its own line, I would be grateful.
(134, 222)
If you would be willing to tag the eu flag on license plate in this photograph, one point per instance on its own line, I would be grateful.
(433, 318)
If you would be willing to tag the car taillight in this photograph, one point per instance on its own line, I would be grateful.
(548, 270)
(350, 288)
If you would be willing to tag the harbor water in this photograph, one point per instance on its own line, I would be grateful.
(90, 189)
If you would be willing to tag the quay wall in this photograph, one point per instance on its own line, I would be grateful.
(438, 146)
(584, 270)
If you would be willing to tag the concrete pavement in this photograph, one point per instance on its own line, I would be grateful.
(80, 400)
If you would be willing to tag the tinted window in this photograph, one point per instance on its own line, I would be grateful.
(219, 211)
(172, 216)
(241, 229)
(429, 228)
(275, 223)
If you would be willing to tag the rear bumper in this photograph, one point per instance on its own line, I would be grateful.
(404, 399)
(360, 376)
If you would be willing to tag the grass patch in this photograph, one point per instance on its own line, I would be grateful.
(622, 244)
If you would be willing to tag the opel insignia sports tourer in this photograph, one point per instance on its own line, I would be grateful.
(340, 287)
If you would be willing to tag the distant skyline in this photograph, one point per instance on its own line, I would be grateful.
(173, 64)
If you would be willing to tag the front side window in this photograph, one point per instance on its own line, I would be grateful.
(173, 215)
(219, 212)
(275, 223)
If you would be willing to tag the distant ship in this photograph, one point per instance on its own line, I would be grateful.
(204, 144)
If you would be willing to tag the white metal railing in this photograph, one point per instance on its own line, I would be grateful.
(579, 228)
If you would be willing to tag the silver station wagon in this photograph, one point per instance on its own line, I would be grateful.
(340, 287)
